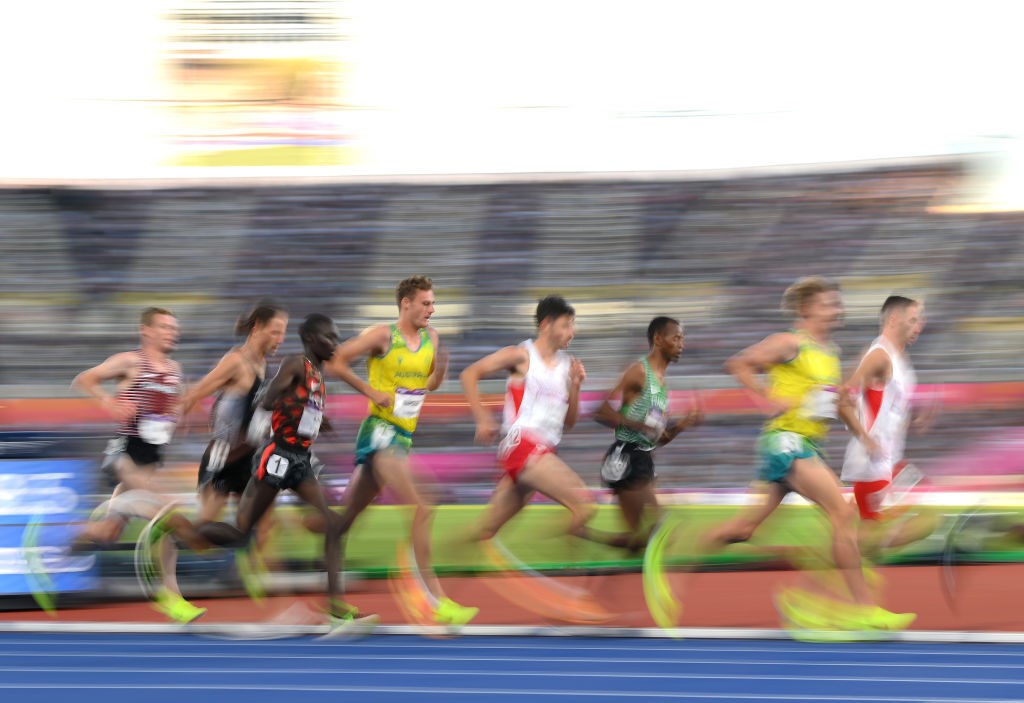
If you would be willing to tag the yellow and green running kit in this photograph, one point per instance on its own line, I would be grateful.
(403, 373)
(809, 382)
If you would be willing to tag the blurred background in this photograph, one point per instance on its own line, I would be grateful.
(643, 158)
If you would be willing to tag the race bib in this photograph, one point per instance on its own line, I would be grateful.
(309, 423)
(277, 465)
(615, 464)
(408, 402)
(655, 424)
(156, 429)
(822, 403)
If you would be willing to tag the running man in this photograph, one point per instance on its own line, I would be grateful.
(542, 400)
(145, 403)
(641, 425)
(295, 398)
(802, 396)
(884, 383)
(405, 361)
(237, 378)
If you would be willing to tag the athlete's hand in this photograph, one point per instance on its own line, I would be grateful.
(486, 429)
(577, 373)
(696, 414)
(380, 398)
(872, 447)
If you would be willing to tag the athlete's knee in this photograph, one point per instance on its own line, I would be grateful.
(423, 512)
(843, 516)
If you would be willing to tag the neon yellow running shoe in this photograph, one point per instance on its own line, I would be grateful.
(252, 571)
(877, 618)
(36, 575)
(448, 612)
(665, 609)
(175, 607)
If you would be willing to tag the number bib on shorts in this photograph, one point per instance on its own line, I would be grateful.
(615, 464)
(408, 402)
(156, 429)
(382, 435)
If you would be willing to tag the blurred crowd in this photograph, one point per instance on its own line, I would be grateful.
(80, 263)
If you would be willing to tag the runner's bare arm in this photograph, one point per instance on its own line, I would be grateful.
(219, 376)
(120, 368)
(439, 369)
(508, 359)
(630, 385)
(577, 375)
(372, 341)
(291, 372)
(748, 365)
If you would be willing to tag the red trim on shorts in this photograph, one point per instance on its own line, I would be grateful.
(868, 495)
(261, 469)
(518, 456)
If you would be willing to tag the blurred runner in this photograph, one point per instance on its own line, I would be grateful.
(405, 361)
(641, 425)
(238, 380)
(145, 403)
(542, 399)
(802, 396)
(884, 383)
(296, 398)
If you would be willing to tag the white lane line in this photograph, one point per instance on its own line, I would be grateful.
(939, 650)
(446, 657)
(715, 633)
(733, 696)
(521, 674)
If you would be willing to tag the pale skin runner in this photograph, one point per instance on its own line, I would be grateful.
(235, 373)
(809, 477)
(390, 467)
(158, 339)
(547, 474)
(901, 328)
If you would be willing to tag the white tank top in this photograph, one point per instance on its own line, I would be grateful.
(537, 403)
(885, 414)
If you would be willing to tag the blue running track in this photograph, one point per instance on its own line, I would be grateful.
(180, 668)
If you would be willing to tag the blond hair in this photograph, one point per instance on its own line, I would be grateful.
(801, 292)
